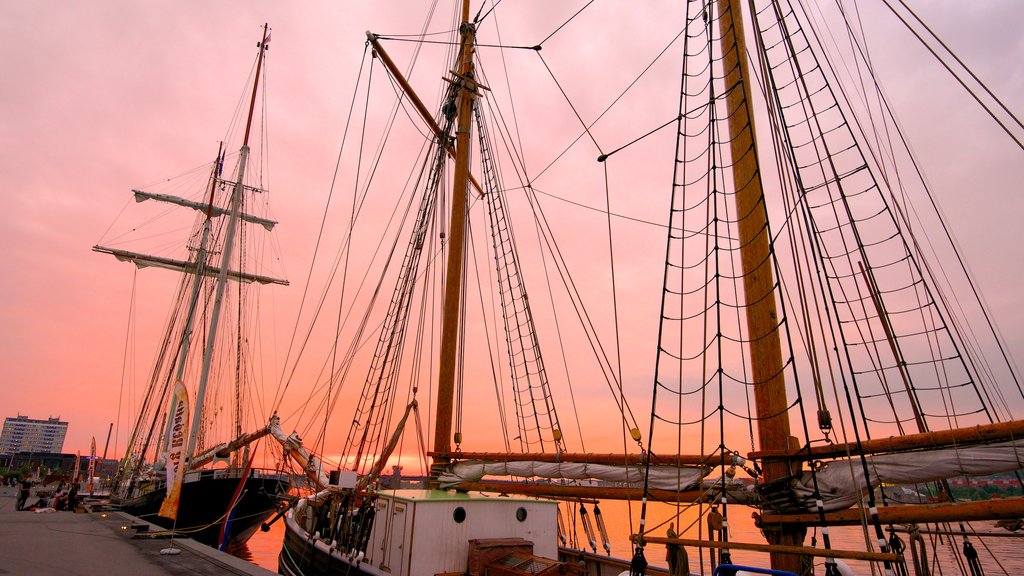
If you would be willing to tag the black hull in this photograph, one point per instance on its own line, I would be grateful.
(301, 557)
(204, 500)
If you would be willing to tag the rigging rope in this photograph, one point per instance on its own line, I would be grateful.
(918, 552)
(602, 530)
(588, 527)
(972, 559)
(960, 80)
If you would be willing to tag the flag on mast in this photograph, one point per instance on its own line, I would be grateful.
(175, 464)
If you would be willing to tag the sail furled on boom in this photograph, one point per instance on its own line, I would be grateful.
(141, 196)
(842, 483)
(661, 477)
(145, 260)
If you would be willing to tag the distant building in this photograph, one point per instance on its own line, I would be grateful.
(43, 464)
(998, 480)
(23, 434)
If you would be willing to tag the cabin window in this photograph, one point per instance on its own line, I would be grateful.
(459, 515)
(521, 514)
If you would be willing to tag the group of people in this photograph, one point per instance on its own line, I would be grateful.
(65, 497)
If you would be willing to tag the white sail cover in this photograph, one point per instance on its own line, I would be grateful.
(841, 482)
(661, 477)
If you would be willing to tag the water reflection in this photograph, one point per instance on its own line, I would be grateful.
(262, 549)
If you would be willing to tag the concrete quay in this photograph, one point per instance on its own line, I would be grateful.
(72, 544)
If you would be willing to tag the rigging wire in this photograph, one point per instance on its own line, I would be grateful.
(587, 127)
(544, 229)
(285, 381)
(960, 62)
(900, 211)
(564, 24)
(127, 365)
(954, 245)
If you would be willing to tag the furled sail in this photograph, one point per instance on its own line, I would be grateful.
(842, 483)
(141, 196)
(661, 477)
(144, 260)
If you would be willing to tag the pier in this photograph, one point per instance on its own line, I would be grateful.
(68, 543)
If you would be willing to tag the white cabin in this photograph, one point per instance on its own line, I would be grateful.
(427, 532)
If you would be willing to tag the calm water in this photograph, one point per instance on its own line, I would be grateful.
(998, 555)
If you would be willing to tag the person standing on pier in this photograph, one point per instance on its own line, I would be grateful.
(72, 500)
(23, 491)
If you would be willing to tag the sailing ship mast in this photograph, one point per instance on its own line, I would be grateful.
(224, 509)
(229, 237)
(764, 343)
(466, 87)
(199, 267)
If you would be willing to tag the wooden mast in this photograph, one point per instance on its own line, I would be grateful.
(228, 247)
(456, 241)
(758, 277)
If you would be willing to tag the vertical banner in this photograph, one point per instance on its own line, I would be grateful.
(176, 451)
(78, 465)
(92, 464)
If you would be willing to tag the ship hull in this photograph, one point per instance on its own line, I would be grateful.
(415, 533)
(301, 556)
(205, 497)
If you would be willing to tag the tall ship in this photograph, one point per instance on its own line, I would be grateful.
(816, 353)
(226, 491)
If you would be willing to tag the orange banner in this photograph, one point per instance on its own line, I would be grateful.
(176, 452)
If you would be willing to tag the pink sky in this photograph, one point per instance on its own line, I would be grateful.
(104, 96)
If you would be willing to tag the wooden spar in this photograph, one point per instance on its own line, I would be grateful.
(382, 458)
(586, 492)
(997, 432)
(206, 207)
(972, 533)
(427, 116)
(758, 277)
(225, 450)
(800, 550)
(616, 459)
(186, 266)
(456, 245)
(214, 176)
(255, 84)
(1002, 509)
